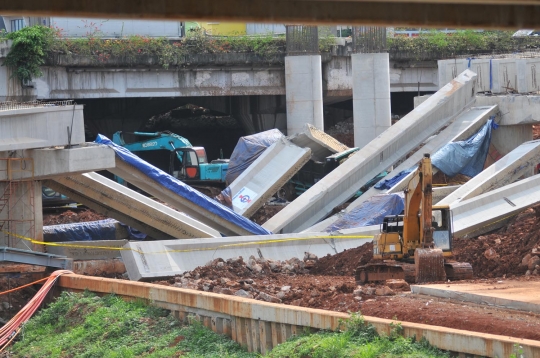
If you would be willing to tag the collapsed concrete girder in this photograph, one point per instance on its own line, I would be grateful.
(381, 153)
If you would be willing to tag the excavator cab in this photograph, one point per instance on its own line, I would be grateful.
(442, 228)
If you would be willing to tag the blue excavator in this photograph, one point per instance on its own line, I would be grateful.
(186, 162)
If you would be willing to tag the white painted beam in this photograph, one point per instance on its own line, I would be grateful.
(381, 153)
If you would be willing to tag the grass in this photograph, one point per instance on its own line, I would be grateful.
(85, 325)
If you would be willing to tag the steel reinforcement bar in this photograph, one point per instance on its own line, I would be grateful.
(260, 326)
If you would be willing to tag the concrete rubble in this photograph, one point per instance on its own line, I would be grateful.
(321, 144)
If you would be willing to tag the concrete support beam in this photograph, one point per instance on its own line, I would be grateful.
(516, 164)
(468, 123)
(383, 152)
(474, 216)
(485, 14)
(153, 259)
(199, 213)
(321, 144)
(441, 192)
(129, 207)
(507, 138)
(52, 162)
(303, 86)
(41, 127)
(371, 96)
(263, 178)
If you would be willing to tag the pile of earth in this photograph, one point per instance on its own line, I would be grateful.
(513, 250)
(69, 217)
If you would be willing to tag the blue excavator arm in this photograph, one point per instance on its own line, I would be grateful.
(158, 141)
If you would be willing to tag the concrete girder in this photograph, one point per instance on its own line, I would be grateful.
(381, 153)
(129, 207)
(152, 259)
(519, 162)
(41, 127)
(463, 127)
(321, 144)
(426, 13)
(475, 216)
(52, 162)
(199, 213)
(263, 178)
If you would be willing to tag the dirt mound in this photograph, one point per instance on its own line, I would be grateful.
(344, 263)
(441, 178)
(265, 213)
(69, 217)
(501, 253)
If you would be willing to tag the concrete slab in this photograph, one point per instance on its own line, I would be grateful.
(129, 207)
(381, 153)
(518, 295)
(477, 215)
(321, 144)
(199, 213)
(151, 259)
(41, 126)
(52, 162)
(88, 250)
(515, 109)
(518, 163)
(440, 192)
(263, 178)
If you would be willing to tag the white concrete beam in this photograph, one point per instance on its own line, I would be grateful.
(475, 216)
(263, 178)
(321, 144)
(53, 162)
(516, 164)
(151, 259)
(41, 127)
(129, 207)
(137, 178)
(381, 153)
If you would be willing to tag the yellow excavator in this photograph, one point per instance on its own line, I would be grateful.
(416, 246)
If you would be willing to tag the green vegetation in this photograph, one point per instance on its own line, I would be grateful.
(438, 45)
(358, 340)
(28, 51)
(85, 325)
(32, 46)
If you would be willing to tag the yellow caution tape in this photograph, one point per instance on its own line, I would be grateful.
(263, 242)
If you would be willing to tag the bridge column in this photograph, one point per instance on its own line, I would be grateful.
(371, 96)
(303, 89)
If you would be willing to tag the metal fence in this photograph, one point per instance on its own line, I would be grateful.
(11, 105)
(369, 39)
(302, 40)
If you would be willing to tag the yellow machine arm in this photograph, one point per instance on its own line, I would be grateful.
(418, 231)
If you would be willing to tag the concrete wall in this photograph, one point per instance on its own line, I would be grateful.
(502, 75)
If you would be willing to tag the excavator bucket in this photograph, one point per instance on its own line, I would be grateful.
(429, 264)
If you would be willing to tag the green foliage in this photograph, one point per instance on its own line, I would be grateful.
(85, 325)
(438, 45)
(357, 339)
(28, 51)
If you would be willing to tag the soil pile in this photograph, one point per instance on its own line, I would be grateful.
(69, 217)
(501, 253)
(344, 263)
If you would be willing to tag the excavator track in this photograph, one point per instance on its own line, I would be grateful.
(382, 271)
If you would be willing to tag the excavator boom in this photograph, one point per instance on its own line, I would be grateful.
(415, 246)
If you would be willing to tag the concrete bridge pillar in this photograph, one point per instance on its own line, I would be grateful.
(303, 88)
(371, 96)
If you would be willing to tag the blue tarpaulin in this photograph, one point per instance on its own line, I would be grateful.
(389, 183)
(185, 191)
(466, 157)
(86, 231)
(247, 150)
(370, 212)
